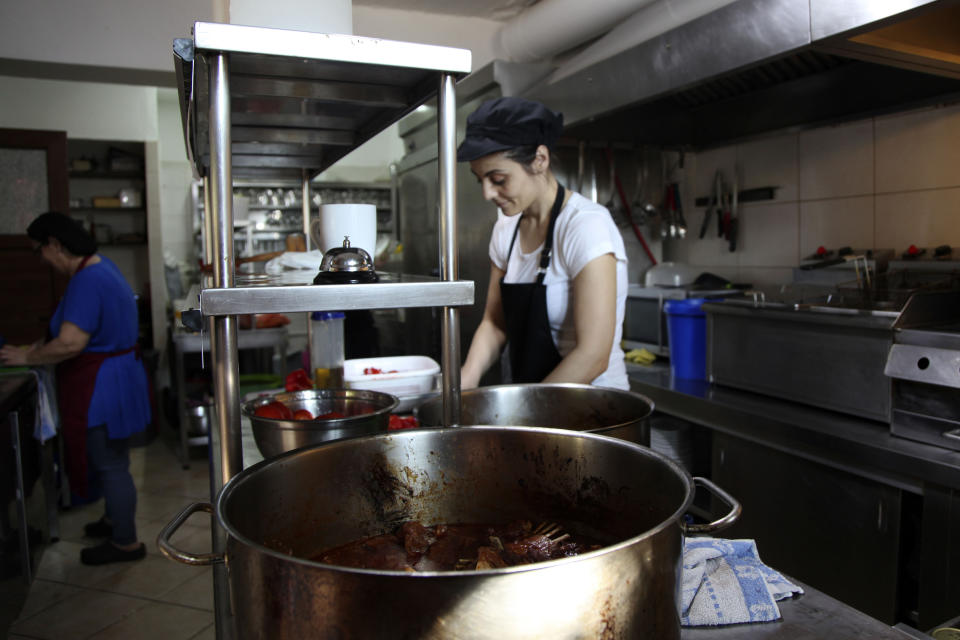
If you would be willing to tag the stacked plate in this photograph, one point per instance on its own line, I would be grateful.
(672, 437)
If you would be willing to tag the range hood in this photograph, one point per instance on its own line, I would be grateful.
(758, 66)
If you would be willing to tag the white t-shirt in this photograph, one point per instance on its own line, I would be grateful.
(585, 230)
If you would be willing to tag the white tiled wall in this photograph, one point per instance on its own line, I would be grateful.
(884, 182)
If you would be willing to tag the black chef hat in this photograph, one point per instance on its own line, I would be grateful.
(507, 123)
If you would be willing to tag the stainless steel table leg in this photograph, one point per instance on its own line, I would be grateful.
(182, 404)
(50, 487)
(21, 498)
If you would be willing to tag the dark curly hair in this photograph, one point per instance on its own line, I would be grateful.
(525, 156)
(69, 232)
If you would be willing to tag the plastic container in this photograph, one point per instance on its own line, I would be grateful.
(400, 375)
(326, 349)
(253, 382)
(687, 334)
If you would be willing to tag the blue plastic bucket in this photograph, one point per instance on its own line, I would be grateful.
(687, 332)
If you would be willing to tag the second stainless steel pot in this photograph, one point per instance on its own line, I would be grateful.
(282, 512)
(580, 407)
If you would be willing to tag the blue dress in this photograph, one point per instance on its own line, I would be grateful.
(99, 301)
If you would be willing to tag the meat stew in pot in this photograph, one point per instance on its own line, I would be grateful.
(415, 547)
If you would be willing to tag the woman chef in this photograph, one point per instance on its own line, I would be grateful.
(101, 383)
(558, 274)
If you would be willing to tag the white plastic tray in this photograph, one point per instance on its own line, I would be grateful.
(402, 375)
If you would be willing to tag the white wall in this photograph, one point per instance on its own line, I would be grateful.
(131, 34)
(475, 34)
(880, 183)
(82, 109)
(331, 16)
(176, 175)
(137, 34)
(86, 110)
(371, 161)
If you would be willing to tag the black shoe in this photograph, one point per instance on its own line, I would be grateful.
(99, 529)
(107, 552)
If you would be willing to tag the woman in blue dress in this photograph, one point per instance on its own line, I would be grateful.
(101, 383)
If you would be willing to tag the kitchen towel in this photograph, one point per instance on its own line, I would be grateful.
(294, 260)
(724, 582)
(45, 424)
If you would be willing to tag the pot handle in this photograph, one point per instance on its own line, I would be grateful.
(167, 549)
(722, 523)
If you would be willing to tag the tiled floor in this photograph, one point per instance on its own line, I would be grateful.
(154, 598)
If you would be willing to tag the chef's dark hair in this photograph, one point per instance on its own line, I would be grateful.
(524, 156)
(68, 232)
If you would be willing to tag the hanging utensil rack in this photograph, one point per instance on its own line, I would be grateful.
(279, 104)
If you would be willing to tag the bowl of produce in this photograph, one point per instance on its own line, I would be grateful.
(286, 421)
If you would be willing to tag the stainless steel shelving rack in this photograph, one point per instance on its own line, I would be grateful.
(277, 104)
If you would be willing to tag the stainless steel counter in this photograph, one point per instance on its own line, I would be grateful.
(812, 615)
(859, 446)
(27, 460)
(889, 516)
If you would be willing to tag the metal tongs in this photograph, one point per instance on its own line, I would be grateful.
(676, 225)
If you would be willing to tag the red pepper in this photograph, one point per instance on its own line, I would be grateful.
(298, 380)
(402, 422)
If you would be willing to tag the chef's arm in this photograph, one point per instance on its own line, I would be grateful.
(71, 341)
(594, 321)
(489, 338)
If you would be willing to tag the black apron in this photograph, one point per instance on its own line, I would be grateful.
(533, 355)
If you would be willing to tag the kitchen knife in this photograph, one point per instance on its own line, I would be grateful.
(734, 223)
(714, 204)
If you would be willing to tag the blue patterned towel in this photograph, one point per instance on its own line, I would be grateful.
(724, 582)
(46, 424)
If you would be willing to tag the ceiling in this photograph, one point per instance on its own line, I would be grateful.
(489, 9)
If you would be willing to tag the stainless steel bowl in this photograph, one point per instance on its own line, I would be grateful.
(367, 412)
(578, 407)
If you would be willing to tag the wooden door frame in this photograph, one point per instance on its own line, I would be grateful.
(58, 190)
(17, 248)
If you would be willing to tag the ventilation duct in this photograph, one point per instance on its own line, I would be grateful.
(755, 66)
(554, 26)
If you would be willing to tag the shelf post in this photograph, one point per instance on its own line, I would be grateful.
(223, 344)
(305, 199)
(449, 268)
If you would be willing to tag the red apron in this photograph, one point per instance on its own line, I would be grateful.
(76, 378)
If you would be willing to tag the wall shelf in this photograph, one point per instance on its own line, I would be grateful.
(114, 222)
(301, 101)
(107, 210)
(106, 175)
(294, 291)
(287, 105)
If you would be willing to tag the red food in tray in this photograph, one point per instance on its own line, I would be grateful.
(372, 371)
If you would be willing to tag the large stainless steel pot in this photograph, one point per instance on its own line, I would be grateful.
(283, 511)
(580, 407)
